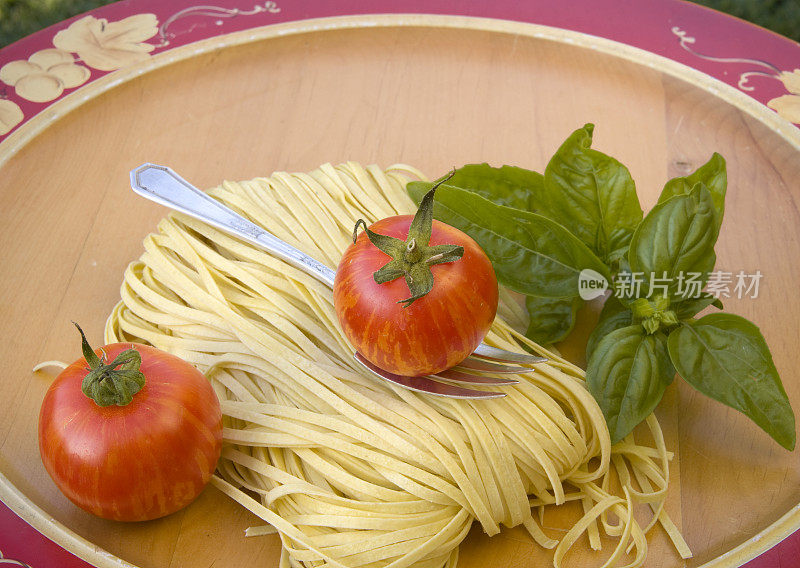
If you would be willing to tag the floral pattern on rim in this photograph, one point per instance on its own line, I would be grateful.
(47, 73)
(212, 12)
(98, 44)
(10, 114)
(109, 46)
(787, 106)
(44, 76)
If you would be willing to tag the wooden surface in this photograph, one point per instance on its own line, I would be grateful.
(433, 98)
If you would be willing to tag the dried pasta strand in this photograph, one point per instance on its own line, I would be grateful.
(351, 471)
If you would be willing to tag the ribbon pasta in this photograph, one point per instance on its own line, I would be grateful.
(349, 470)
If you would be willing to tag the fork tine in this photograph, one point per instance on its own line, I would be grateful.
(493, 353)
(427, 385)
(461, 377)
(489, 367)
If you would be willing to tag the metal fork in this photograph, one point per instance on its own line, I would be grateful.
(162, 185)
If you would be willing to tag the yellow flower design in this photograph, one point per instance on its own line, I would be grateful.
(10, 116)
(108, 46)
(44, 76)
(788, 106)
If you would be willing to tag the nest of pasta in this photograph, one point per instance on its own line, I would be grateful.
(349, 470)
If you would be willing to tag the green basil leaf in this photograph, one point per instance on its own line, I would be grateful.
(713, 174)
(551, 319)
(725, 357)
(510, 186)
(613, 316)
(676, 238)
(593, 194)
(690, 307)
(627, 375)
(530, 253)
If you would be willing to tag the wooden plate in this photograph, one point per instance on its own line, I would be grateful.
(432, 91)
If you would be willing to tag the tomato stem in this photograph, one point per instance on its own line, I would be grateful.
(114, 383)
(413, 257)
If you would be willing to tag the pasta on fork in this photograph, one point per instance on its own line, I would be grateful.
(350, 471)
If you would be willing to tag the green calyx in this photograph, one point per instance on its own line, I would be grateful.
(114, 383)
(653, 314)
(412, 259)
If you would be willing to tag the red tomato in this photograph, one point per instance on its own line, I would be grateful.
(135, 462)
(435, 332)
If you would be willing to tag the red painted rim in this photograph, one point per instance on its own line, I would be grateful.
(756, 62)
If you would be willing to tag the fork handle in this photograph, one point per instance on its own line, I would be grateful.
(162, 185)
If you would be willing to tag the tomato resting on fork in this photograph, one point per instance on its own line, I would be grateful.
(415, 296)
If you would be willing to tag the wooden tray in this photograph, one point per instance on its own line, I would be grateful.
(430, 90)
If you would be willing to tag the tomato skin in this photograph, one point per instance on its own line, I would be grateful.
(436, 331)
(137, 462)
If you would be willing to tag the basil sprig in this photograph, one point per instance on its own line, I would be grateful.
(542, 230)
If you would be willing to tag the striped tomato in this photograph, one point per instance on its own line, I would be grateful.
(413, 295)
(130, 440)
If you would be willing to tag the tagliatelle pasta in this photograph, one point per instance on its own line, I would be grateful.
(349, 470)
